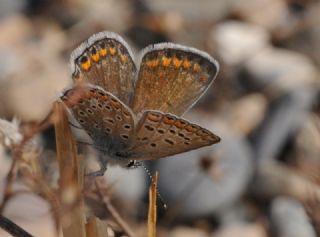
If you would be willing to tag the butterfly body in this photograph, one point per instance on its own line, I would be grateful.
(134, 115)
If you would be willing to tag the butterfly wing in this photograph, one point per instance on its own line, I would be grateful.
(172, 78)
(108, 121)
(159, 135)
(105, 60)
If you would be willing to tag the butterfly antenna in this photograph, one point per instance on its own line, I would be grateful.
(158, 193)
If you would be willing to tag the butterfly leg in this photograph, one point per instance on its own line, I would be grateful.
(133, 164)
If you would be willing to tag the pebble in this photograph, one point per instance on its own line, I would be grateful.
(129, 184)
(241, 230)
(235, 42)
(244, 121)
(278, 71)
(187, 232)
(186, 187)
(289, 219)
(285, 116)
(266, 13)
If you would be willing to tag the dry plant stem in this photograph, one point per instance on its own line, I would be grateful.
(152, 213)
(275, 179)
(41, 188)
(115, 215)
(17, 152)
(12, 228)
(8, 188)
(91, 227)
(71, 173)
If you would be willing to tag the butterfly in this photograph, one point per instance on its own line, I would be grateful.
(132, 110)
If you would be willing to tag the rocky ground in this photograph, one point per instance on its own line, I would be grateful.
(261, 180)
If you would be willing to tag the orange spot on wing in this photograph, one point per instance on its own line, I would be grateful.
(103, 52)
(104, 97)
(123, 58)
(86, 65)
(180, 124)
(92, 94)
(152, 63)
(191, 128)
(204, 79)
(177, 62)
(112, 50)
(168, 120)
(186, 64)
(166, 61)
(154, 117)
(95, 57)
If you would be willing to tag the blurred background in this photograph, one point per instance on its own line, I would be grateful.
(261, 180)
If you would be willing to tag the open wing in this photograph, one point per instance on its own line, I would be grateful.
(105, 60)
(108, 121)
(172, 78)
(159, 135)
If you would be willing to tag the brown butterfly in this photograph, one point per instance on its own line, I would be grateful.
(132, 115)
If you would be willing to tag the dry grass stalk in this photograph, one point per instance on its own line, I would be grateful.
(71, 173)
(91, 227)
(152, 213)
(113, 212)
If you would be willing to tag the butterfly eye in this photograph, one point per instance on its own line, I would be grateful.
(153, 145)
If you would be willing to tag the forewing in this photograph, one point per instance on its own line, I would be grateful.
(159, 135)
(105, 60)
(172, 78)
(108, 121)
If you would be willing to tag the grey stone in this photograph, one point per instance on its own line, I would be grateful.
(289, 219)
(278, 71)
(194, 193)
(285, 116)
(235, 42)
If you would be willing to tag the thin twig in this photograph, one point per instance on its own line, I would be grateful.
(17, 153)
(13, 228)
(116, 216)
